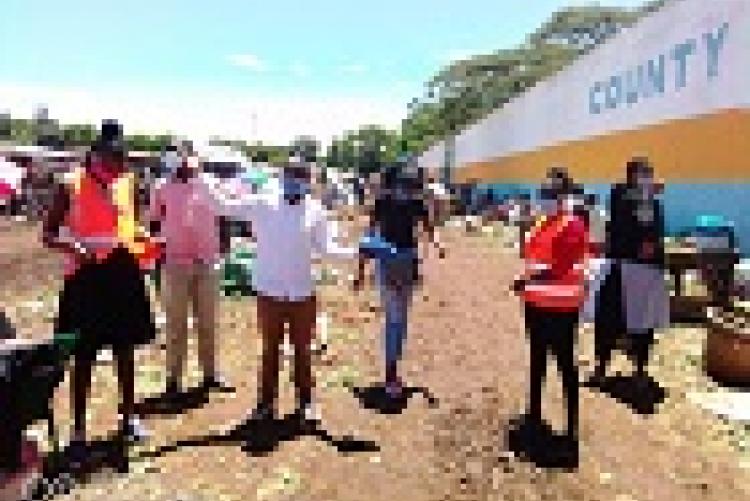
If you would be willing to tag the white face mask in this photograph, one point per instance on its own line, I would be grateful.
(570, 205)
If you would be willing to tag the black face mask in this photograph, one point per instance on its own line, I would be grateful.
(294, 190)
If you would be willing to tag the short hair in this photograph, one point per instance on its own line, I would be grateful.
(297, 166)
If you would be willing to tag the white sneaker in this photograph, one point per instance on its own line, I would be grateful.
(310, 413)
(136, 432)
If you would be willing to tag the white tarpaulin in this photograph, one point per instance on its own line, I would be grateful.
(11, 174)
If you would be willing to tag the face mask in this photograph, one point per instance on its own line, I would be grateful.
(170, 163)
(548, 206)
(295, 189)
(188, 168)
(646, 184)
(569, 205)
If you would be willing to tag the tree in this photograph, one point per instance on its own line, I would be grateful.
(5, 126)
(149, 143)
(364, 151)
(465, 91)
(79, 135)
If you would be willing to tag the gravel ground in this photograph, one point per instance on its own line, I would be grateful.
(466, 344)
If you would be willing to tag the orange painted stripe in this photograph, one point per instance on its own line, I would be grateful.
(708, 148)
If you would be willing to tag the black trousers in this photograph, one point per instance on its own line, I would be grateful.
(553, 332)
(12, 434)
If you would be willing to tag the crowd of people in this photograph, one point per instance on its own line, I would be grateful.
(110, 243)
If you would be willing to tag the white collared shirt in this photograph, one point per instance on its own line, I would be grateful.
(287, 236)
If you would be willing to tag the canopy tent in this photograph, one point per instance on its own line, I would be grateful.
(11, 176)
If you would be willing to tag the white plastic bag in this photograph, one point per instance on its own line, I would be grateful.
(597, 272)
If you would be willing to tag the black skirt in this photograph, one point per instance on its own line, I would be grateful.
(107, 305)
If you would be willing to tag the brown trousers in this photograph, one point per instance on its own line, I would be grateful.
(273, 315)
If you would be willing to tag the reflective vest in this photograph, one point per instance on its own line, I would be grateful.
(93, 214)
(561, 245)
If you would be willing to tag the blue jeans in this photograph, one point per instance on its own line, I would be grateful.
(396, 284)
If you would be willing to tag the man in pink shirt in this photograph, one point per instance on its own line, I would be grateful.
(187, 213)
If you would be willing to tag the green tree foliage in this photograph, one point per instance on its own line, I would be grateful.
(5, 126)
(22, 131)
(467, 90)
(149, 143)
(79, 134)
(364, 151)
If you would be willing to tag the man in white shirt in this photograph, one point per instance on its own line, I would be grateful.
(289, 227)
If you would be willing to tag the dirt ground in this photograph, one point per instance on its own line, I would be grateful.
(466, 345)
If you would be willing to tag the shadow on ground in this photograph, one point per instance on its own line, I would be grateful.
(167, 404)
(536, 442)
(376, 398)
(61, 473)
(641, 393)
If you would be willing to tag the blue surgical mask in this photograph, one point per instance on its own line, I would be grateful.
(295, 189)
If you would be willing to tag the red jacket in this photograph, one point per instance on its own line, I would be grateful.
(560, 244)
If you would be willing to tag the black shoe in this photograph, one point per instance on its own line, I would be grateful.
(596, 380)
(262, 412)
(568, 457)
(172, 389)
(77, 455)
(121, 459)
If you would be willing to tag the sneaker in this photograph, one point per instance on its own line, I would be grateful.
(135, 432)
(77, 454)
(308, 414)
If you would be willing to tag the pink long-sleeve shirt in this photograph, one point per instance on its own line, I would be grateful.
(188, 213)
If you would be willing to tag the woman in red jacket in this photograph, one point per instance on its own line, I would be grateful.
(552, 289)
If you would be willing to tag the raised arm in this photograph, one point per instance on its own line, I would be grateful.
(236, 203)
(326, 238)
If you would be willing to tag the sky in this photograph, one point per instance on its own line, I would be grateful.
(255, 70)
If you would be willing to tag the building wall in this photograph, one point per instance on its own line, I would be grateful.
(674, 75)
